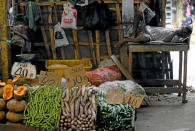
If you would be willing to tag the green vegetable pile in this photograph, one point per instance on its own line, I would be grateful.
(113, 117)
(43, 107)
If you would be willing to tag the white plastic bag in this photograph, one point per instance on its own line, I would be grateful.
(60, 36)
(69, 17)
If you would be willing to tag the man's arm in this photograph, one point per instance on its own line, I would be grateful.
(170, 37)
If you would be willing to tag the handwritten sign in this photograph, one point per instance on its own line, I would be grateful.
(135, 100)
(76, 76)
(25, 70)
(49, 78)
(115, 96)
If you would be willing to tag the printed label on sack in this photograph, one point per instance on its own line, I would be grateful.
(25, 70)
(76, 76)
(50, 78)
(115, 96)
(135, 100)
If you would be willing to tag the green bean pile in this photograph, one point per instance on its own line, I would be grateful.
(43, 107)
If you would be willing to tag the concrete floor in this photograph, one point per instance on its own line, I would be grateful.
(167, 117)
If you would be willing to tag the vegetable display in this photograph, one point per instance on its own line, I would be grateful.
(113, 117)
(43, 107)
(78, 109)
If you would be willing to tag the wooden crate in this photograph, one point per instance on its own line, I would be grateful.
(16, 127)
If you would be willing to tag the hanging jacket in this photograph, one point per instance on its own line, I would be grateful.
(32, 14)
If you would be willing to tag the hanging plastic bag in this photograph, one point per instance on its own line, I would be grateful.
(69, 17)
(98, 16)
(60, 36)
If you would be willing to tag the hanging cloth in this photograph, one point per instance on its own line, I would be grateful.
(32, 14)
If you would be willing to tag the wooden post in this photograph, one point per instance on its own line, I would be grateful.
(180, 68)
(185, 76)
(97, 33)
(52, 34)
(77, 52)
(3, 38)
(43, 33)
(108, 43)
(92, 47)
(163, 12)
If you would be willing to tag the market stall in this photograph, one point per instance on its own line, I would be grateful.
(64, 74)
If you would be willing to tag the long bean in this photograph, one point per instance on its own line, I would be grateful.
(43, 107)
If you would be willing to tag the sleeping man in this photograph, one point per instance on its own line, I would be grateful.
(142, 33)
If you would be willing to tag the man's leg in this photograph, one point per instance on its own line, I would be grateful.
(141, 38)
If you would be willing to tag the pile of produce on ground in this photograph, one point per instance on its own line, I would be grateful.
(12, 103)
(43, 107)
(114, 117)
(111, 116)
(79, 109)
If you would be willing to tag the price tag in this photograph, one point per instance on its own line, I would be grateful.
(25, 70)
(135, 100)
(76, 76)
(50, 78)
(115, 96)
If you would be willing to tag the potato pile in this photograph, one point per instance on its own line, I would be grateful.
(78, 109)
(2, 106)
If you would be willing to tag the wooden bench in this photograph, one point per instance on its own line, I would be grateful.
(168, 86)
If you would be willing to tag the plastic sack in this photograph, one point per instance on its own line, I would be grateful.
(101, 75)
(98, 16)
(69, 17)
(60, 36)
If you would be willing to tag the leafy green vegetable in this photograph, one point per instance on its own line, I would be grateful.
(113, 117)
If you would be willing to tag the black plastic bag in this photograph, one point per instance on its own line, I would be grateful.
(98, 17)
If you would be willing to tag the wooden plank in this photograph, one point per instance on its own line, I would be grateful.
(3, 38)
(121, 68)
(148, 48)
(44, 35)
(185, 76)
(91, 44)
(63, 2)
(108, 43)
(51, 31)
(154, 90)
(77, 52)
(118, 16)
(180, 67)
(130, 62)
(97, 34)
(159, 82)
(62, 53)
(124, 56)
(17, 127)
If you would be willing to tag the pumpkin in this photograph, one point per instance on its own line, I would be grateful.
(16, 78)
(2, 115)
(14, 117)
(1, 92)
(8, 91)
(20, 92)
(2, 83)
(16, 105)
(2, 104)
